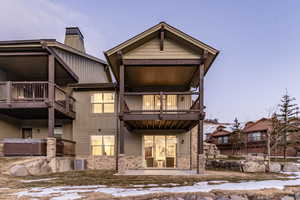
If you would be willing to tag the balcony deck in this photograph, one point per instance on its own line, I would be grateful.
(183, 118)
(29, 100)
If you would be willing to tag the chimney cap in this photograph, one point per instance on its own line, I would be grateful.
(74, 31)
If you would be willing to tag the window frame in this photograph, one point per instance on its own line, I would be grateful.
(103, 145)
(102, 103)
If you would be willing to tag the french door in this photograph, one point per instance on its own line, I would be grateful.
(160, 151)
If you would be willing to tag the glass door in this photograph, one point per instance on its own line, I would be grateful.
(160, 151)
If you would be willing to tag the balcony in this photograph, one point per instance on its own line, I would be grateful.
(161, 110)
(30, 100)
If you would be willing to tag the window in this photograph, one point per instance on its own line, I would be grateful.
(152, 102)
(256, 136)
(103, 145)
(103, 102)
(26, 133)
(58, 131)
(223, 140)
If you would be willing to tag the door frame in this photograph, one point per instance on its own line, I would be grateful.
(154, 145)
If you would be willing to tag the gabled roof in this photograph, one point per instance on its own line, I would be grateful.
(166, 27)
(48, 44)
(143, 37)
(263, 124)
(220, 131)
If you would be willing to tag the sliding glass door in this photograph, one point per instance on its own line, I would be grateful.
(152, 102)
(160, 151)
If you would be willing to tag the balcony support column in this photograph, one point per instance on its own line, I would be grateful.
(51, 95)
(200, 148)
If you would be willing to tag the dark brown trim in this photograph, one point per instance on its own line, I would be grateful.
(65, 66)
(16, 105)
(155, 131)
(183, 117)
(121, 101)
(24, 53)
(157, 93)
(162, 38)
(161, 62)
(101, 86)
(51, 95)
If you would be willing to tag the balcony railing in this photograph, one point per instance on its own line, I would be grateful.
(37, 91)
(160, 102)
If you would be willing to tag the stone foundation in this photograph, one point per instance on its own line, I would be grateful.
(51, 148)
(127, 162)
(101, 162)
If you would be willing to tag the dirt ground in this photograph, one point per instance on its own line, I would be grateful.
(10, 185)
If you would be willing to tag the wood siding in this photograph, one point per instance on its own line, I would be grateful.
(87, 70)
(151, 50)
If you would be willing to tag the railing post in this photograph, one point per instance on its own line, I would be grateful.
(67, 99)
(8, 92)
(161, 102)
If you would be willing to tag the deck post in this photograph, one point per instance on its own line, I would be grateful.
(200, 150)
(8, 91)
(51, 96)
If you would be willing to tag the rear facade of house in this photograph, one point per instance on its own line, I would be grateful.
(150, 117)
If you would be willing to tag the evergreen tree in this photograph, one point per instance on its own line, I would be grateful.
(236, 137)
(288, 112)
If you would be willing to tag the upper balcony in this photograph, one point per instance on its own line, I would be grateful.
(161, 110)
(29, 100)
(33, 80)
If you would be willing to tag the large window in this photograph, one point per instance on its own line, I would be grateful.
(223, 140)
(152, 102)
(256, 136)
(103, 102)
(103, 145)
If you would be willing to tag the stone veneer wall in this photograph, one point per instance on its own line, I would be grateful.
(101, 162)
(127, 162)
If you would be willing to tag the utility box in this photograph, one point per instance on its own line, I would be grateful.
(80, 164)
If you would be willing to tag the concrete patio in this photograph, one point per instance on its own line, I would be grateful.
(159, 172)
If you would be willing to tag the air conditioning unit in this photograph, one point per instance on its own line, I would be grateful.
(80, 164)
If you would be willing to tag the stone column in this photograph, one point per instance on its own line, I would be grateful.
(1, 148)
(123, 165)
(51, 148)
(201, 166)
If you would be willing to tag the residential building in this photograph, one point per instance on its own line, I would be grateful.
(151, 117)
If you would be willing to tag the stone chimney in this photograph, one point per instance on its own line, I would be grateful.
(74, 38)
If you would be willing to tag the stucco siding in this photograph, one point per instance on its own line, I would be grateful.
(9, 127)
(87, 123)
(151, 50)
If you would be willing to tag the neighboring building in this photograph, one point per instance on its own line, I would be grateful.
(147, 119)
(254, 140)
(221, 138)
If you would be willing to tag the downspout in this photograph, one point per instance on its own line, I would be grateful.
(118, 133)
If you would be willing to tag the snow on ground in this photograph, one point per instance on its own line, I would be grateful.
(37, 180)
(73, 192)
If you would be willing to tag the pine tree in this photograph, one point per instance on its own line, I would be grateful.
(236, 139)
(288, 112)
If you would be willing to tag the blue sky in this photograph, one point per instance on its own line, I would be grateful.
(259, 41)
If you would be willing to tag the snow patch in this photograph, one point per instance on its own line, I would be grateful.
(37, 180)
(71, 192)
